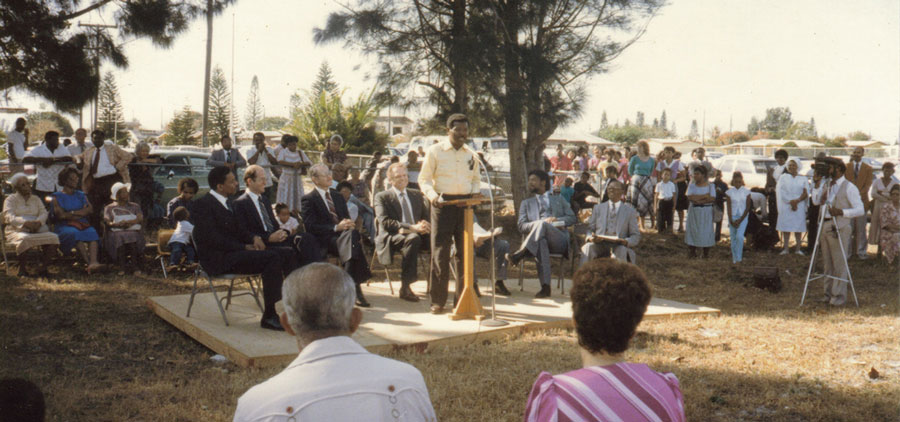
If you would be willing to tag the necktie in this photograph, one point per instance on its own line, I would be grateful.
(265, 216)
(856, 171)
(228, 205)
(407, 214)
(227, 156)
(95, 163)
(541, 208)
(331, 208)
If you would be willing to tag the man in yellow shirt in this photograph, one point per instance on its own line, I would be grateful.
(450, 171)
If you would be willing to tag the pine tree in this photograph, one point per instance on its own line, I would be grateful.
(179, 130)
(219, 106)
(753, 127)
(255, 111)
(812, 126)
(655, 123)
(324, 81)
(673, 132)
(639, 119)
(695, 132)
(663, 123)
(604, 124)
(110, 117)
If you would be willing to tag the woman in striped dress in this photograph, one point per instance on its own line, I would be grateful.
(607, 388)
(640, 192)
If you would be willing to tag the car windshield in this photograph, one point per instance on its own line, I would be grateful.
(763, 166)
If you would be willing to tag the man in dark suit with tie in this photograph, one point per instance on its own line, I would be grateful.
(325, 216)
(225, 246)
(226, 156)
(254, 212)
(402, 216)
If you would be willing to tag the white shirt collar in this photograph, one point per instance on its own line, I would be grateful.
(327, 347)
(222, 200)
(252, 196)
(398, 192)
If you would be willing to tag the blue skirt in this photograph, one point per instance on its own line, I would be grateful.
(69, 235)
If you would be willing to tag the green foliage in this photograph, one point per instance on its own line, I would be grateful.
(44, 52)
(320, 116)
(604, 122)
(801, 130)
(629, 135)
(663, 123)
(777, 122)
(182, 126)
(324, 81)
(110, 117)
(837, 142)
(731, 138)
(695, 132)
(255, 111)
(639, 119)
(272, 123)
(219, 107)
(61, 122)
(753, 127)
(790, 144)
(859, 136)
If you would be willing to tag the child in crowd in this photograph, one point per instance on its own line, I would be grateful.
(285, 221)
(739, 204)
(180, 242)
(567, 190)
(187, 188)
(665, 201)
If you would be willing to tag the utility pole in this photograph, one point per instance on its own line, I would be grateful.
(209, 31)
(96, 28)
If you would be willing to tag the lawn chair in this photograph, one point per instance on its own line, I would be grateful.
(231, 278)
(560, 258)
(162, 248)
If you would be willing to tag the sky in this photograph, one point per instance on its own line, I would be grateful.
(727, 60)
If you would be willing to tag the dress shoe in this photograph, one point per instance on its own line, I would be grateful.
(407, 294)
(501, 289)
(437, 309)
(271, 323)
(545, 291)
(477, 292)
(361, 299)
(513, 259)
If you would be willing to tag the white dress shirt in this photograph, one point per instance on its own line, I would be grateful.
(450, 171)
(16, 141)
(852, 196)
(76, 150)
(404, 198)
(263, 161)
(222, 200)
(48, 176)
(665, 190)
(255, 198)
(104, 168)
(335, 379)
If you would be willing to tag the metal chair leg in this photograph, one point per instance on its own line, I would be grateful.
(216, 297)
(193, 293)
(162, 263)
(254, 291)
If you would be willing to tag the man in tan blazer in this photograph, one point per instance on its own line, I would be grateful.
(861, 175)
(104, 165)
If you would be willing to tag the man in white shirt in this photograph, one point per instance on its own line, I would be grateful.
(50, 158)
(16, 144)
(333, 378)
(264, 157)
(842, 203)
(79, 147)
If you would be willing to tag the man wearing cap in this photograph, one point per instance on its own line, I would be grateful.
(450, 171)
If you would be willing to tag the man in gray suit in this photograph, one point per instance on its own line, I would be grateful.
(612, 219)
(543, 219)
(402, 215)
(227, 156)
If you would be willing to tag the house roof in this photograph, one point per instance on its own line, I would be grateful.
(778, 142)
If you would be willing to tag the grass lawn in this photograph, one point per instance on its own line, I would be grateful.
(99, 354)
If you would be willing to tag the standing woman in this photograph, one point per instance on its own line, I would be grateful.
(640, 193)
(293, 164)
(701, 195)
(890, 226)
(71, 209)
(681, 182)
(738, 200)
(791, 192)
(141, 170)
(880, 194)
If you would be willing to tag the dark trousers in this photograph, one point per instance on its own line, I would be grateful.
(346, 245)
(666, 215)
(269, 263)
(133, 250)
(447, 228)
(181, 249)
(99, 198)
(409, 245)
(812, 227)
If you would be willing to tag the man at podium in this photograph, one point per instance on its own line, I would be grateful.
(450, 171)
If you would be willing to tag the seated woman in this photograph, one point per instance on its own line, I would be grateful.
(609, 299)
(123, 236)
(25, 217)
(71, 209)
(890, 226)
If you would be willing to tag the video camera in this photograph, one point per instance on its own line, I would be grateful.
(822, 166)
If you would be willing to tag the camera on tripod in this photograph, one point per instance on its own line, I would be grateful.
(822, 166)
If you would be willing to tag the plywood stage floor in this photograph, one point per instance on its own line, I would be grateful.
(389, 324)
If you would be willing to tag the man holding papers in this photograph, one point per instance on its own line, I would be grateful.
(613, 229)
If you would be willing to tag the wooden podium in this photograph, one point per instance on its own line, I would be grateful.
(467, 304)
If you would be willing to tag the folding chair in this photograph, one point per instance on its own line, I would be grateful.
(232, 278)
(162, 248)
(560, 258)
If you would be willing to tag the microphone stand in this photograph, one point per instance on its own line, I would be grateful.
(493, 321)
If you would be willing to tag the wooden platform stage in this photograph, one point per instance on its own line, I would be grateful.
(389, 324)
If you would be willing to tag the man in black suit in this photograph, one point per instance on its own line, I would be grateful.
(225, 246)
(325, 216)
(254, 212)
(402, 217)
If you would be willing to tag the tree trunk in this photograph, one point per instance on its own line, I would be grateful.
(513, 104)
(209, 32)
(457, 56)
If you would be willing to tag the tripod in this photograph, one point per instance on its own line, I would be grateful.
(812, 260)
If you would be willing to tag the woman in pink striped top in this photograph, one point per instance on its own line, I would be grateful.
(609, 299)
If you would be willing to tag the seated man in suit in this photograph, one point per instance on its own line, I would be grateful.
(225, 246)
(612, 219)
(543, 218)
(325, 216)
(402, 215)
(254, 212)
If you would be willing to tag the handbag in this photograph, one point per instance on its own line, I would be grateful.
(80, 225)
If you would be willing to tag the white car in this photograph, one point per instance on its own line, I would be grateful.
(753, 167)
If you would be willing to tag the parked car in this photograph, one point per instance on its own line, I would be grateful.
(177, 165)
(753, 167)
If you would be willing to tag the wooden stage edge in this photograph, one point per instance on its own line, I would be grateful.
(247, 345)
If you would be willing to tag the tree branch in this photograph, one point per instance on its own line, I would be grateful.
(88, 9)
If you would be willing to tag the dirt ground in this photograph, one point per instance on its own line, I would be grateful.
(99, 354)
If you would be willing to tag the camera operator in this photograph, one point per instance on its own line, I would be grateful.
(820, 174)
(842, 203)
